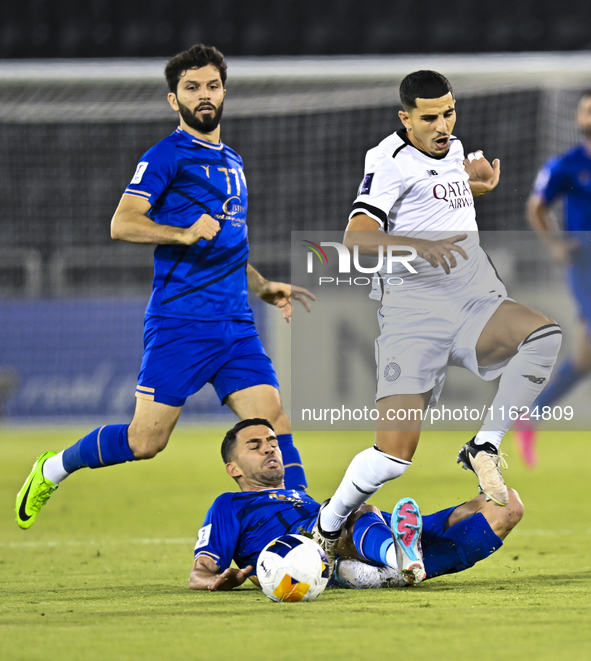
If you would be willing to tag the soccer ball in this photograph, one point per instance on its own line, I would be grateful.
(292, 568)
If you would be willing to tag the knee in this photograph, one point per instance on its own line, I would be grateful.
(358, 512)
(506, 518)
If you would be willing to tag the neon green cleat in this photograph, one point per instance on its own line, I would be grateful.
(34, 494)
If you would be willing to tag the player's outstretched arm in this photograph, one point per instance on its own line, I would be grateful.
(130, 223)
(543, 221)
(279, 294)
(206, 576)
(484, 177)
(365, 233)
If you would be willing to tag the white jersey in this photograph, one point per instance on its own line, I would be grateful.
(412, 194)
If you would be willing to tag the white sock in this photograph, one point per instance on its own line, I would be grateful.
(494, 437)
(524, 378)
(391, 558)
(368, 471)
(53, 469)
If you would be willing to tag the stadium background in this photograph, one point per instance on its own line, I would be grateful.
(312, 86)
(72, 131)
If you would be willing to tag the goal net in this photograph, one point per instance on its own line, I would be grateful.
(72, 133)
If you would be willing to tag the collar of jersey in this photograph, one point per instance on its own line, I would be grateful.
(203, 143)
(402, 134)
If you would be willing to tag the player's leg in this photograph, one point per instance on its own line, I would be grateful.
(457, 538)
(501, 520)
(565, 377)
(367, 536)
(247, 383)
(109, 445)
(527, 343)
(388, 459)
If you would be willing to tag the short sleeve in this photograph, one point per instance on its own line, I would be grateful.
(380, 188)
(218, 537)
(154, 173)
(550, 182)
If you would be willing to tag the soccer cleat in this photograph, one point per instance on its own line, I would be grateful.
(34, 494)
(328, 541)
(358, 575)
(407, 527)
(525, 441)
(484, 460)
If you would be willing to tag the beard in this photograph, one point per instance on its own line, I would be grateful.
(206, 125)
(272, 478)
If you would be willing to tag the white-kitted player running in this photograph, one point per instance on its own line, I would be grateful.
(454, 311)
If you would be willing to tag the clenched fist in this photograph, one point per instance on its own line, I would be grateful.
(205, 228)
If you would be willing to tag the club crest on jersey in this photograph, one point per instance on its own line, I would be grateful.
(392, 371)
(366, 184)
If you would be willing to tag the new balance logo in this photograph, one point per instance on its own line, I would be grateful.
(534, 379)
(432, 173)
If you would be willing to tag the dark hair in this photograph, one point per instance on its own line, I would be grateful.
(196, 57)
(230, 438)
(584, 94)
(423, 84)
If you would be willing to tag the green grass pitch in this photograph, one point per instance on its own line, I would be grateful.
(103, 572)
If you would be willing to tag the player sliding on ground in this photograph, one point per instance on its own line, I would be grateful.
(188, 196)
(240, 524)
(456, 310)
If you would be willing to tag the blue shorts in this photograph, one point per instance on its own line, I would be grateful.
(182, 355)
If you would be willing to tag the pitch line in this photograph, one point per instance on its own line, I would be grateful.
(141, 541)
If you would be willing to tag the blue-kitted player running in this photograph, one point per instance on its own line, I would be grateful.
(566, 177)
(189, 197)
(376, 549)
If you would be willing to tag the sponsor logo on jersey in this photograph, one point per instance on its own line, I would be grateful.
(457, 194)
(139, 173)
(432, 173)
(203, 537)
(231, 208)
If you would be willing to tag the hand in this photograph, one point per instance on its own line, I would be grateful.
(484, 177)
(205, 228)
(438, 253)
(230, 578)
(562, 251)
(281, 294)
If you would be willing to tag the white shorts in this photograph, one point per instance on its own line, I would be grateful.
(416, 345)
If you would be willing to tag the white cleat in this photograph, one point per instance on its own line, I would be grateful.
(328, 541)
(358, 575)
(484, 460)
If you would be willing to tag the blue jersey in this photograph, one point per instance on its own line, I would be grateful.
(239, 525)
(182, 178)
(569, 176)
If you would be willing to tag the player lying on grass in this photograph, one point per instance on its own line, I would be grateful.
(240, 524)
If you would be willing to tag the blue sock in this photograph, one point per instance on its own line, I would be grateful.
(560, 383)
(372, 537)
(459, 547)
(295, 476)
(105, 446)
